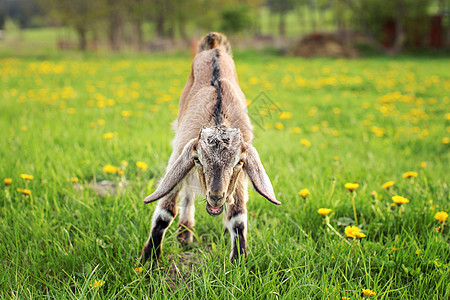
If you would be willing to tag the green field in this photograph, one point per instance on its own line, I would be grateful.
(319, 124)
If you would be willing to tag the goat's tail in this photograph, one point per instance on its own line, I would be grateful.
(214, 40)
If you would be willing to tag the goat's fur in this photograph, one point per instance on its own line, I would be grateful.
(212, 145)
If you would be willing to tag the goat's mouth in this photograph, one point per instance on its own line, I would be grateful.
(214, 211)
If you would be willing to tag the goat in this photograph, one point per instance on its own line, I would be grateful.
(212, 146)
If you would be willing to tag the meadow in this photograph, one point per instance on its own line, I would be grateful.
(72, 122)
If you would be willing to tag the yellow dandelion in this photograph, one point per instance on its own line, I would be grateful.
(110, 169)
(335, 158)
(445, 140)
(8, 181)
(101, 122)
(24, 191)
(336, 110)
(279, 126)
(26, 176)
(345, 298)
(368, 292)
(423, 164)
(74, 179)
(304, 193)
(110, 135)
(351, 186)
(441, 216)
(399, 200)
(97, 284)
(24, 128)
(387, 185)
(354, 232)
(374, 194)
(284, 115)
(324, 211)
(141, 165)
(124, 163)
(126, 113)
(138, 270)
(295, 130)
(410, 174)
(305, 143)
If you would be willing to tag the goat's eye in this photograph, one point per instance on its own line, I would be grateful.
(240, 163)
(196, 160)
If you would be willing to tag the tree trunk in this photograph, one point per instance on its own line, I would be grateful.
(160, 20)
(82, 38)
(138, 39)
(400, 35)
(114, 31)
(182, 29)
(282, 24)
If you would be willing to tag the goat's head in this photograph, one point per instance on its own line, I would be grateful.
(219, 154)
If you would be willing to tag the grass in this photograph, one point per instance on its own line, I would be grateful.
(366, 121)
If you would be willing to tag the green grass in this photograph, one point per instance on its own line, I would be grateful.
(58, 241)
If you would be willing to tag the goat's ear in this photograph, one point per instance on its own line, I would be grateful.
(175, 174)
(255, 170)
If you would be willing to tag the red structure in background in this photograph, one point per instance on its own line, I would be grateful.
(436, 32)
(434, 38)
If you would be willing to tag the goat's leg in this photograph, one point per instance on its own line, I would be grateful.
(236, 221)
(163, 216)
(187, 218)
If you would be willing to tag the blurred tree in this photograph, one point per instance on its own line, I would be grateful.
(282, 7)
(20, 11)
(81, 15)
(235, 19)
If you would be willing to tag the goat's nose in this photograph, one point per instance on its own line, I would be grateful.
(215, 198)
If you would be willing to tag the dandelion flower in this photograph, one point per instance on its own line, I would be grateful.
(345, 298)
(305, 143)
(410, 174)
(124, 163)
(138, 270)
(445, 140)
(304, 193)
(399, 200)
(101, 122)
(26, 176)
(441, 216)
(97, 284)
(423, 164)
(279, 126)
(24, 191)
(126, 113)
(8, 181)
(284, 115)
(368, 292)
(295, 130)
(141, 165)
(353, 231)
(110, 169)
(324, 211)
(374, 194)
(74, 179)
(351, 186)
(387, 185)
(109, 135)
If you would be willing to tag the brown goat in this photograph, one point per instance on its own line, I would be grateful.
(212, 145)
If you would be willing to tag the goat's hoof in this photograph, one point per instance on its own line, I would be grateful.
(185, 237)
(237, 258)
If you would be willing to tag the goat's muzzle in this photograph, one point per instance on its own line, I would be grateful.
(216, 206)
(214, 211)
